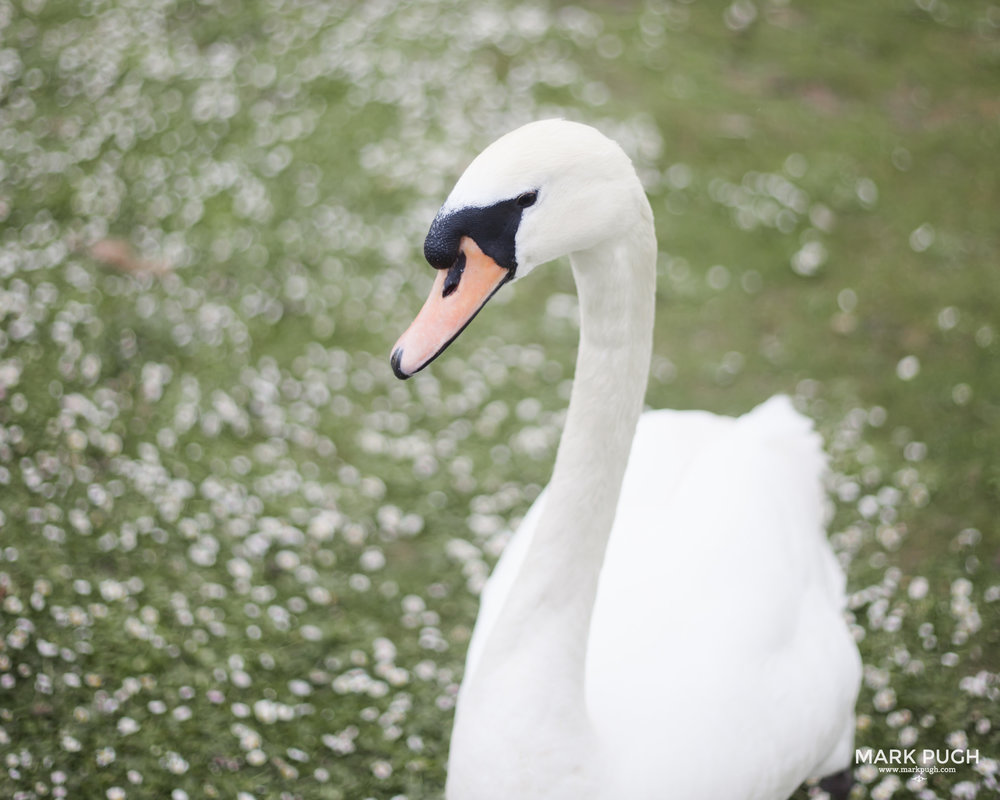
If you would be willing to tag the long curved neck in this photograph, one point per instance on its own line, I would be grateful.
(616, 286)
(528, 683)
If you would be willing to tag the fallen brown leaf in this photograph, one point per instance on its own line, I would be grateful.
(119, 254)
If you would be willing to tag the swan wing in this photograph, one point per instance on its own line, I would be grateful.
(717, 630)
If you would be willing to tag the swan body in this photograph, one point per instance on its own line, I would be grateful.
(717, 662)
(667, 620)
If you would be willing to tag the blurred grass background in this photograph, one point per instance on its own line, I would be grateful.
(240, 560)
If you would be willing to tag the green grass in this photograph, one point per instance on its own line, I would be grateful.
(230, 555)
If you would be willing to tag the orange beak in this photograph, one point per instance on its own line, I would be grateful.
(456, 297)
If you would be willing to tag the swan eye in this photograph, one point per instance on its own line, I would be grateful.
(526, 199)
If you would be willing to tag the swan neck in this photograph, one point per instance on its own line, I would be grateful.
(553, 595)
(616, 285)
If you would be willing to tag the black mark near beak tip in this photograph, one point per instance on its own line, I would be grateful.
(394, 359)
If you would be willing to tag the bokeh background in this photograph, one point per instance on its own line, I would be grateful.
(239, 559)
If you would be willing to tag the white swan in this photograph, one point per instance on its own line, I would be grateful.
(667, 621)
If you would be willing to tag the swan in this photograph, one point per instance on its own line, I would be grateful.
(668, 619)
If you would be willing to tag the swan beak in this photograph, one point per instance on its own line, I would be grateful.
(456, 297)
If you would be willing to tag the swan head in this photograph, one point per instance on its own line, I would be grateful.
(545, 190)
